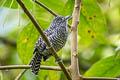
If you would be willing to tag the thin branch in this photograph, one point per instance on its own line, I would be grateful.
(56, 68)
(44, 37)
(20, 74)
(48, 9)
(8, 41)
(74, 52)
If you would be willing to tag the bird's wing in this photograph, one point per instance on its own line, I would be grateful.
(50, 30)
(40, 45)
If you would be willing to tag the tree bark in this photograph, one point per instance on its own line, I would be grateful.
(74, 56)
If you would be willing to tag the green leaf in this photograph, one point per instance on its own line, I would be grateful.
(28, 3)
(68, 8)
(26, 42)
(106, 67)
(92, 26)
(56, 5)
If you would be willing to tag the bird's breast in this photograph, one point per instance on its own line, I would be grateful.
(60, 39)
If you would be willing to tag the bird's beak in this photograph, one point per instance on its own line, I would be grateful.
(68, 17)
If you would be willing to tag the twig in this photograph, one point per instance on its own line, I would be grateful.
(56, 68)
(19, 16)
(28, 67)
(48, 9)
(20, 74)
(2, 3)
(25, 67)
(74, 52)
(7, 12)
(8, 41)
(44, 37)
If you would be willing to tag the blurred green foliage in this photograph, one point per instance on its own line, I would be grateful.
(107, 67)
(98, 36)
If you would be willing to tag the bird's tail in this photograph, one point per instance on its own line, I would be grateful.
(35, 63)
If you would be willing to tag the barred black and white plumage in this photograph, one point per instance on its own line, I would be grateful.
(57, 35)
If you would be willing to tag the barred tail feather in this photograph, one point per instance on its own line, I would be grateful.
(35, 63)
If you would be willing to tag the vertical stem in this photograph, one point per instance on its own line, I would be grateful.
(74, 56)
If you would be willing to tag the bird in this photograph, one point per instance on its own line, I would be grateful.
(57, 34)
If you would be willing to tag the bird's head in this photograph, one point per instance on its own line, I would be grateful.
(61, 20)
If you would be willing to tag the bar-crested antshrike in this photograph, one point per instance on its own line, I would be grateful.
(57, 34)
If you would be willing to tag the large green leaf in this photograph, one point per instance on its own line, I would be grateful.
(68, 8)
(92, 26)
(56, 5)
(107, 67)
(26, 41)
